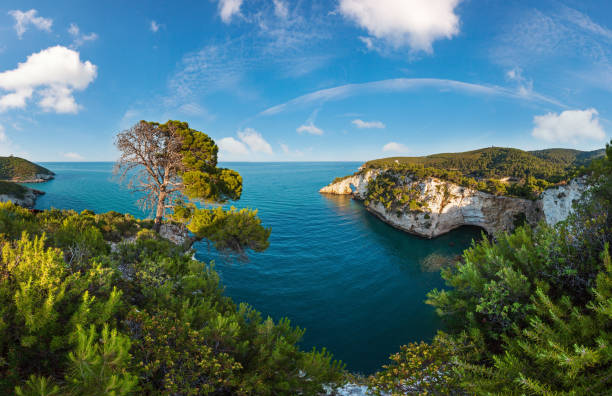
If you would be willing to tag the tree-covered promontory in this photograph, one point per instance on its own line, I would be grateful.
(21, 170)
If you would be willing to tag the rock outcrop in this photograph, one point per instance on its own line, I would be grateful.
(37, 178)
(28, 200)
(449, 206)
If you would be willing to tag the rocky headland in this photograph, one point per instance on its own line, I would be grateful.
(451, 206)
(15, 170)
(409, 196)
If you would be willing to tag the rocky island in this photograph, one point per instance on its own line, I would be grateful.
(14, 170)
(492, 188)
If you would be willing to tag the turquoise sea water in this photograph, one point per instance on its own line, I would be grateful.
(355, 283)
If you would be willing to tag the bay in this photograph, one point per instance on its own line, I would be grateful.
(354, 283)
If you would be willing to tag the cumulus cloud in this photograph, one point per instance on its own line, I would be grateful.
(78, 37)
(229, 8)
(394, 147)
(413, 23)
(23, 19)
(368, 124)
(53, 74)
(73, 156)
(232, 146)
(569, 126)
(154, 26)
(249, 142)
(254, 141)
(310, 128)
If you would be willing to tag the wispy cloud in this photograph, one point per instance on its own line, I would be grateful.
(73, 156)
(563, 35)
(368, 124)
(229, 8)
(78, 37)
(404, 85)
(154, 26)
(310, 128)
(394, 147)
(25, 19)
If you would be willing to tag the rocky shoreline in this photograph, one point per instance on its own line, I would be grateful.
(27, 201)
(38, 178)
(450, 206)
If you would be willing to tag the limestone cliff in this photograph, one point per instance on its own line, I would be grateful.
(27, 200)
(449, 206)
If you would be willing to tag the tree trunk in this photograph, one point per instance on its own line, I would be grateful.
(159, 212)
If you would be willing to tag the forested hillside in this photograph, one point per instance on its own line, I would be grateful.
(19, 169)
(551, 165)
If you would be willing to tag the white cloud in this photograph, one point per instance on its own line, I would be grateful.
(394, 147)
(310, 128)
(255, 141)
(78, 37)
(284, 147)
(368, 124)
(249, 142)
(413, 23)
(230, 145)
(569, 126)
(154, 26)
(23, 19)
(229, 8)
(54, 74)
(403, 85)
(280, 9)
(73, 156)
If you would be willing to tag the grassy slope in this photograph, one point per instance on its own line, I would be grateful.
(20, 169)
(498, 162)
(13, 189)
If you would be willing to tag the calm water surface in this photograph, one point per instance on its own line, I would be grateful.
(353, 282)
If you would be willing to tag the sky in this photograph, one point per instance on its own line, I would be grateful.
(329, 80)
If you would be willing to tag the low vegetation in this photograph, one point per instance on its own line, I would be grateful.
(12, 189)
(528, 313)
(18, 169)
(82, 314)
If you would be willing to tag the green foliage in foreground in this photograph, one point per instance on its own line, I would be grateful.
(77, 317)
(12, 189)
(15, 168)
(528, 314)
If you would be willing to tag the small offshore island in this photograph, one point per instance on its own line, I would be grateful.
(493, 188)
(14, 170)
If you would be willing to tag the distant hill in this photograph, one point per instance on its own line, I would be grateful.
(21, 170)
(499, 162)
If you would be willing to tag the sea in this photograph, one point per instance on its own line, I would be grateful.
(357, 285)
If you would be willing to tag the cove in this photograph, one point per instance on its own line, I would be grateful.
(356, 284)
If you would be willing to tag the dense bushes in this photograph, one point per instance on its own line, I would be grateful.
(144, 318)
(528, 313)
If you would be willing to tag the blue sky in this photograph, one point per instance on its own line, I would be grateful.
(280, 80)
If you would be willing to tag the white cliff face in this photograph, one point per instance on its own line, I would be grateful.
(557, 202)
(359, 182)
(450, 206)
